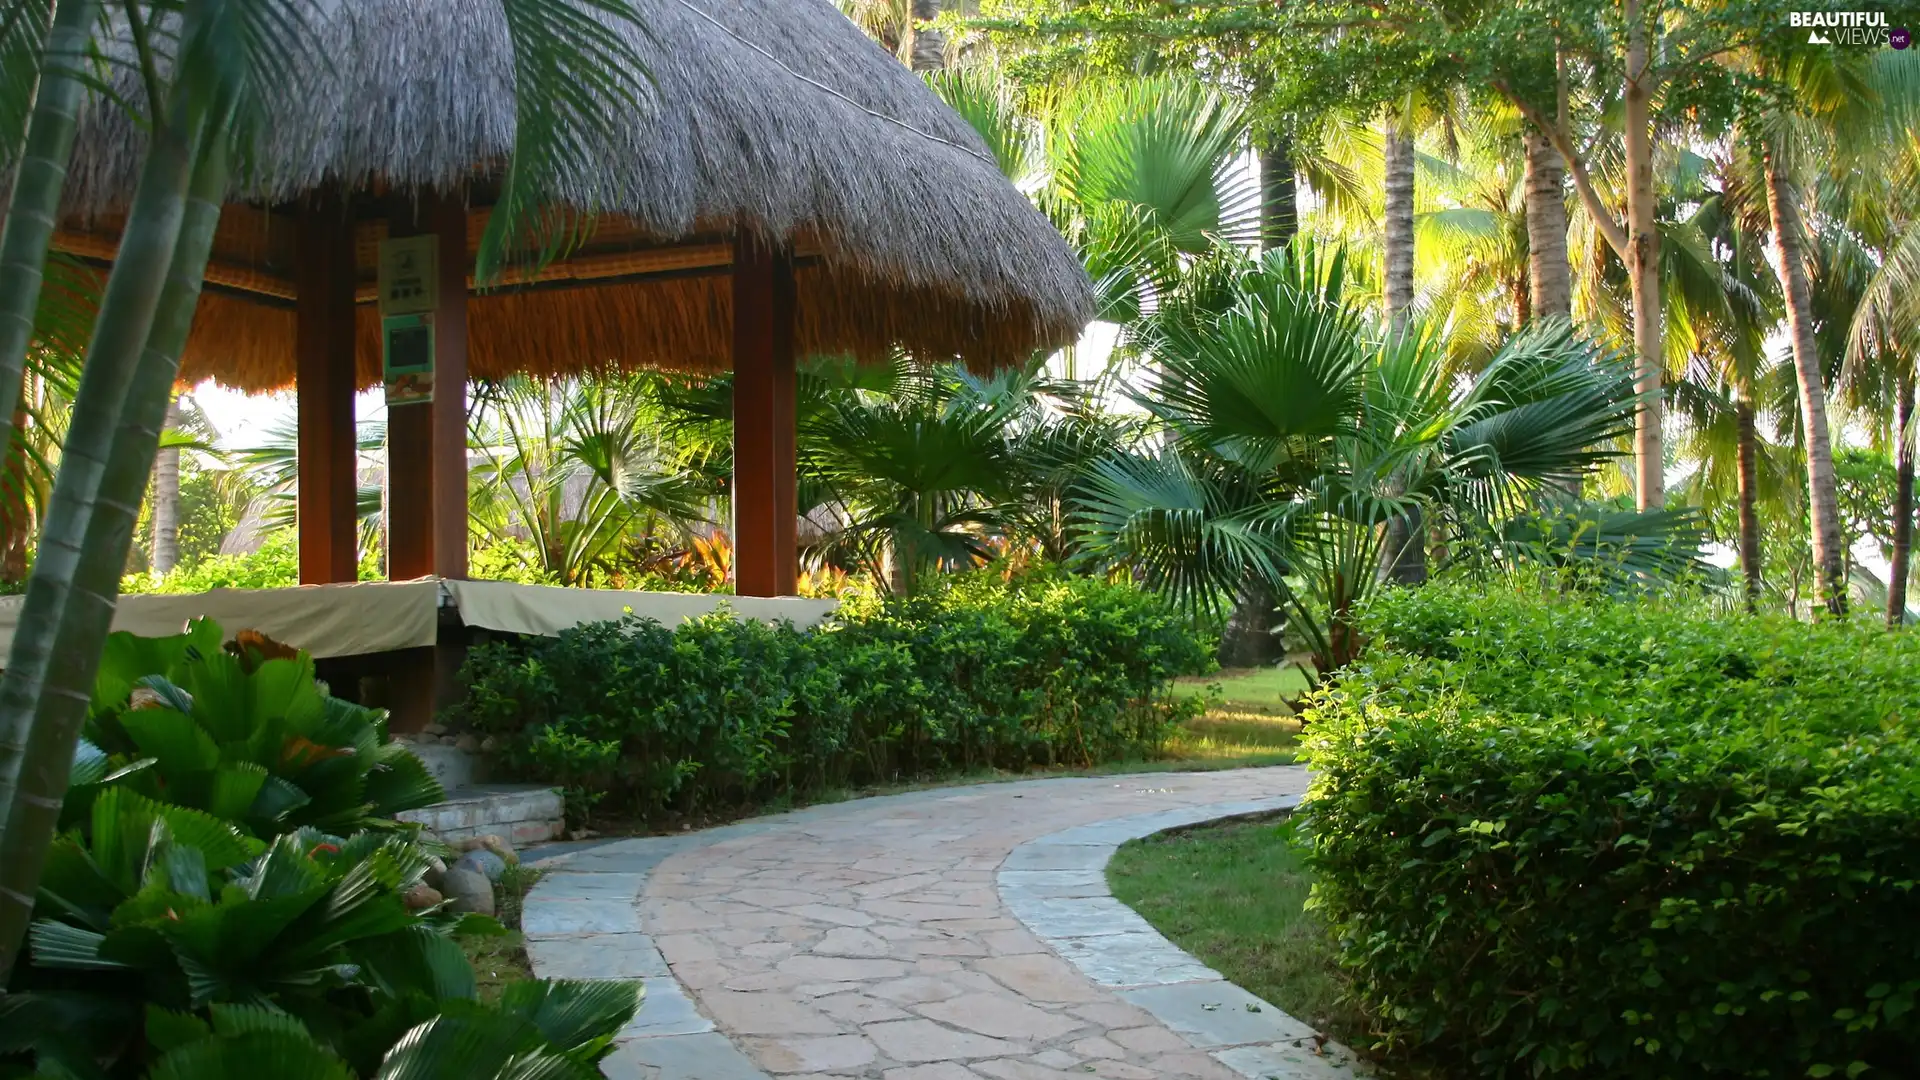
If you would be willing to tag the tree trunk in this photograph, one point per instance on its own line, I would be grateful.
(1902, 504)
(1643, 267)
(929, 50)
(1823, 501)
(1279, 193)
(1406, 560)
(1251, 637)
(1749, 478)
(1549, 276)
(47, 685)
(39, 178)
(1397, 229)
(18, 518)
(166, 502)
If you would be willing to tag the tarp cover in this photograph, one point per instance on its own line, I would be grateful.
(547, 610)
(379, 616)
(325, 620)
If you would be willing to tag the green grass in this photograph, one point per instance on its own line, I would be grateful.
(1260, 690)
(1248, 720)
(1234, 895)
(500, 959)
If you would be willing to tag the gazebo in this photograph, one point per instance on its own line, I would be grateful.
(786, 188)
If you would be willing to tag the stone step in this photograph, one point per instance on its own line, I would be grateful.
(519, 813)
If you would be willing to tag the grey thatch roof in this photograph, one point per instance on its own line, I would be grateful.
(777, 117)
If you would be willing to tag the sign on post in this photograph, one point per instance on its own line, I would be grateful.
(409, 290)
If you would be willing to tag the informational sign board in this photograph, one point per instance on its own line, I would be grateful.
(407, 348)
(409, 275)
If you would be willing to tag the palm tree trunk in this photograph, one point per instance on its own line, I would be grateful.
(47, 685)
(16, 530)
(1902, 504)
(1406, 539)
(166, 502)
(929, 49)
(1823, 500)
(1251, 638)
(1279, 193)
(38, 182)
(1749, 477)
(1549, 276)
(1643, 266)
(1397, 229)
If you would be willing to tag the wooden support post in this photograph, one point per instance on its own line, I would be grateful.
(448, 214)
(427, 466)
(765, 555)
(427, 443)
(328, 459)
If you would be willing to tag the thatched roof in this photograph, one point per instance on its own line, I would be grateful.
(776, 117)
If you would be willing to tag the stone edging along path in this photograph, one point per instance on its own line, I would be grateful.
(1057, 886)
(917, 937)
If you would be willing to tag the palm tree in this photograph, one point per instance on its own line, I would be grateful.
(1289, 433)
(229, 66)
(572, 471)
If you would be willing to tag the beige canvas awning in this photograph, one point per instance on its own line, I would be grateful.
(546, 610)
(381, 616)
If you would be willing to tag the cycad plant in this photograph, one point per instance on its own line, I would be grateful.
(1290, 431)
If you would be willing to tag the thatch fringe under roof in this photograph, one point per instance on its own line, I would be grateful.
(777, 118)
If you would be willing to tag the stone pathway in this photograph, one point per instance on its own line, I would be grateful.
(956, 934)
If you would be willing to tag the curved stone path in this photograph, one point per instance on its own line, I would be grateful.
(955, 934)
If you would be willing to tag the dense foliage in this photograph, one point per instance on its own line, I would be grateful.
(988, 671)
(1573, 835)
(223, 901)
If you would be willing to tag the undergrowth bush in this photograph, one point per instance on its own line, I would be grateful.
(1038, 670)
(1566, 835)
(275, 564)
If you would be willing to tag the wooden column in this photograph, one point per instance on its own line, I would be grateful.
(450, 522)
(427, 466)
(427, 443)
(323, 385)
(765, 553)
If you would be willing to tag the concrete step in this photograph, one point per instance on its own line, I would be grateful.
(521, 814)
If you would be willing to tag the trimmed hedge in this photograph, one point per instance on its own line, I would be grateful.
(1040, 670)
(1566, 835)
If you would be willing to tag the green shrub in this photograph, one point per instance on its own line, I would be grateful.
(223, 900)
(987, 672)
(274, 565)
(245, 733)
(1572, 835)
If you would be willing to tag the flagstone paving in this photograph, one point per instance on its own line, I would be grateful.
(957, 934)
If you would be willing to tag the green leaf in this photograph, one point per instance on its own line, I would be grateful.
(577, 1016)
(171, 738)
(278, 1054)
(166, 1029)
(417, 959)
(399, 781)
(58, 945)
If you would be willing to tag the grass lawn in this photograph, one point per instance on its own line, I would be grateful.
(1247, 723)
(1233, 896)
